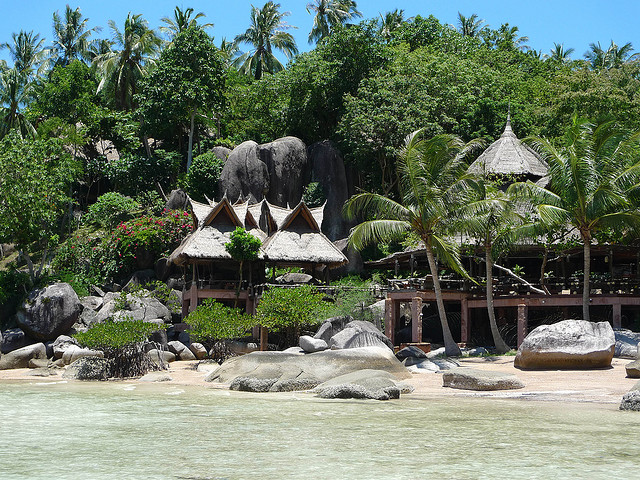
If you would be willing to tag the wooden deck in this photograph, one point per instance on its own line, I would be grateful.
(468, 301)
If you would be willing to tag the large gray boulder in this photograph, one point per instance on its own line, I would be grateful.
(221, 153)
(327, 168)
(278, 371)
(331, 326)
(74, 353)
(365, 384)
(13, 339)
(62, 344)
(50, 311)
(633, 369)
(133, 307)
(20, 358)
(88, 368)
(626, 343)
(244, 173)
(567, 344)
(312, 345)
(358, 334)
(180, 350)
(178, 200)
(286, 161)
(472, 379)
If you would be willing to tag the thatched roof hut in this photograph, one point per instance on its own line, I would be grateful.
(510, 157)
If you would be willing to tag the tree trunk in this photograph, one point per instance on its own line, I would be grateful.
(451, 348)
(190, 151)
(586, 286)
(545, 258)
(501, 346)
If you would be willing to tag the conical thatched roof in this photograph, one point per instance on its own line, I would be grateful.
(509, 156)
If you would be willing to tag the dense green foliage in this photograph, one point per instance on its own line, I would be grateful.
(202, 178)
(281, 308)
(110, 209)
(242, 245)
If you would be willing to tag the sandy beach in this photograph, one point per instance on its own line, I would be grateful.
(604, 386)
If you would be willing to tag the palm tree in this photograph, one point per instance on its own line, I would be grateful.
(612, 57)
(469, 26)
(181, 21)
(71, 37)
(28, 53)
(265, 33)
(559, 54)
(432, 184)
(488, 218)
(15, 90)
(592, 178)
(123, 68)
(329, 14)
(390, 22)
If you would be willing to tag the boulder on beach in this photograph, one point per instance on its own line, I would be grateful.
(331, 326)
(357, 334)
(13, 339)
(88, 368)
(633, 369)
(291, 368)
(364, 384)
(20, 358)
(133, 307)
(569, 344)
(626, 343)
(312, 345)
(50, 311)
(75, 352)
(473, 379)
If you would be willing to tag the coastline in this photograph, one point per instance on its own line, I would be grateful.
(600, 386)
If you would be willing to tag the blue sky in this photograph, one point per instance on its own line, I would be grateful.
(572, 22)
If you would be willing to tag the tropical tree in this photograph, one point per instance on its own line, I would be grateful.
(15, 92)
(329, 14)
(470, 26)
(266, 32)
(432, 184)
(390, 22)
(123, 68)
(71, 37)
(612, 57)
(505, 38)
(28, 53)
(189, 78)
(182, 19)
(488, 219)
(559, 54)
(593, 180)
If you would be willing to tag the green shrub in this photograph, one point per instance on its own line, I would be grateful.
(212, 323)
(110, 209)
(150, 202)
(14, 287)
(202, 177)
(123, 344)
(281, 308)
(314, 195)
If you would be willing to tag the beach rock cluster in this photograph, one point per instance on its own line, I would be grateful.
(339, 333)
(566, 345)
(631, 399)
(283, 371)
(626, 343)
(482, 380)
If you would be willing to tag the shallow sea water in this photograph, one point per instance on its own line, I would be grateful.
(114, 430)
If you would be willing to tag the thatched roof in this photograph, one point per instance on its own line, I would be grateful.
(509, 156)
(288, 236)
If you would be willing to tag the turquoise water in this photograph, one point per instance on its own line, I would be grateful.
(119, 430)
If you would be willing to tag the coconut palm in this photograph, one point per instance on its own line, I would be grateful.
(432, 182)
(329, 14)
(28, 53)
(612, 57)
(559, 54)
(182, 19)
(488, 218)
(71, 36)
(15, 90)
(390, 22)
(123, 68)
(470, 26)
(266, 32)
(592, 180)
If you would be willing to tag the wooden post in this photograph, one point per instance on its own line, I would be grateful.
(416, 319)
(389, 319)
(264, 339)
(617, 315)
(523, 313)
(465, 331)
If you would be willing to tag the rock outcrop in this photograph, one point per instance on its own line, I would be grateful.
(50, 311)
(13, 339)
(88, 368)
(327, 168)
(364, 384)
(134, 307)
(358, 334)
(472, 379)
(20, 358)
(244, 173)
(278, 371)
(567, 344)
(312, 345)
(286, 161)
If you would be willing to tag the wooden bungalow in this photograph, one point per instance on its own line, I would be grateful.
(615, 287)
(290, 238)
